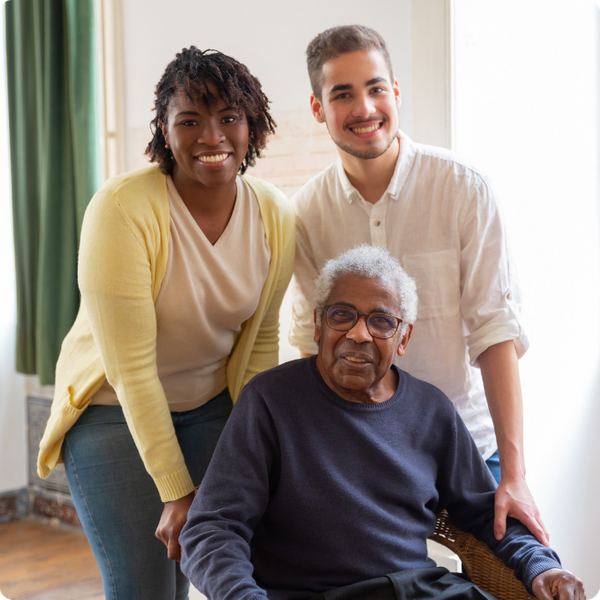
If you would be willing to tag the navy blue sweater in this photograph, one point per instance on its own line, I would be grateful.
(307, 491)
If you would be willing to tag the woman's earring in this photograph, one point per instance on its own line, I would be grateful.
(167, 146)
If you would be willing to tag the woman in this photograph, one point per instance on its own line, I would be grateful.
(182, 270)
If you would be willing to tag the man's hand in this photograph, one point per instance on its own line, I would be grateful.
(556, 583)
(171, 523)
(514, 499)
(500, 374)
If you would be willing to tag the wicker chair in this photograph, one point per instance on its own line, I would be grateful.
(484, 568)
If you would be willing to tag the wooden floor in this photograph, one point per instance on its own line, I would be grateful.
(39, 561)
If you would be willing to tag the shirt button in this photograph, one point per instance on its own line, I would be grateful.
(377, 223)
(508, 296)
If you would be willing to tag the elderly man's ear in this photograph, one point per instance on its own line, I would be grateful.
(402, 347)
(317, 335)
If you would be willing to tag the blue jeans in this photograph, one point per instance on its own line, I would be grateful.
(493, 463)
(118, 503)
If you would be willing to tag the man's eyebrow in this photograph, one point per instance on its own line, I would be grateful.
(340, 87)
(375, 80)
(386, 311)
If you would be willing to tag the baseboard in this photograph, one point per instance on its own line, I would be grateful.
(48, 498)
(14, 504)
(53, 506)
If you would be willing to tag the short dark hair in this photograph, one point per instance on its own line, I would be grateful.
(340, 40)
(189, 73)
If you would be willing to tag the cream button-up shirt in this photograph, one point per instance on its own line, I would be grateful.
(440, 219)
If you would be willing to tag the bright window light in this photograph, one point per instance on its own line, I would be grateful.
(526, 106)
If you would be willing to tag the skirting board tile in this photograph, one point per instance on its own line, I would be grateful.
(14, 505)
(55, 506)
(38, 412)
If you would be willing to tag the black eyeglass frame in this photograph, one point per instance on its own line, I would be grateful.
(359, 314)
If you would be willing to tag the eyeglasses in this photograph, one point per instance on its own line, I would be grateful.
(344, 318)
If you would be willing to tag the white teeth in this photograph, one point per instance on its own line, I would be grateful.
(365, 129)
(358, 360)
(213, 159)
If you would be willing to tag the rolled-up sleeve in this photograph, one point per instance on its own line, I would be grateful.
(490, 294)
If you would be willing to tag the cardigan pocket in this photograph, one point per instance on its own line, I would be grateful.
(438, 282)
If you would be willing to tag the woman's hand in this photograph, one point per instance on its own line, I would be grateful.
(171, 523)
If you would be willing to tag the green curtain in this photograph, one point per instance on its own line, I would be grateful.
(52, 105)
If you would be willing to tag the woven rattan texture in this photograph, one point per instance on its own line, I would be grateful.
(483, 567)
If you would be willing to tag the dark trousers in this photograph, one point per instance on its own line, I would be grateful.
(434, 583)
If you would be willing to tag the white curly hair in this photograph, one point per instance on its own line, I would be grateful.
(370, 262)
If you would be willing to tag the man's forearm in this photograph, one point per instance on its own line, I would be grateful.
(500, 373)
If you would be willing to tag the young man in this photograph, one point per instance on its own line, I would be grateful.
(439, 218)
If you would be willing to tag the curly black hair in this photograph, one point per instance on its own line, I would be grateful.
(189, 73)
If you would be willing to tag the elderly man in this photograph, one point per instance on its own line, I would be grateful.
(329, 474)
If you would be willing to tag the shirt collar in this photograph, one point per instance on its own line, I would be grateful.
(403, 167)
(350, 192)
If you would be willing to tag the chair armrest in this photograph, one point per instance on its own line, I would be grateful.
(483, 567)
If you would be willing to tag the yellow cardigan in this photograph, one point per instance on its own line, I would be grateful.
(122, 261)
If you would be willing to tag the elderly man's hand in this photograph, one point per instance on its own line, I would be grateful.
(559, 584)
(513, 499)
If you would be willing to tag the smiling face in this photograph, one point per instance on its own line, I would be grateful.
(352, 363)
(359, 103)
(208, 143)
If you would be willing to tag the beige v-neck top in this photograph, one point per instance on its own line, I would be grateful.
(207, 293)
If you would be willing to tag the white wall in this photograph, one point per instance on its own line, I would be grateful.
(431, 35)
(13, 472)
(527, 112)
(269, 36)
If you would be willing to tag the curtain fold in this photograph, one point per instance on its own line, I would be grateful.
(55, 167)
